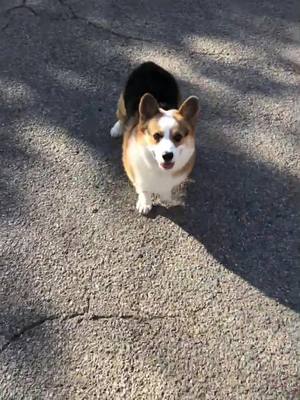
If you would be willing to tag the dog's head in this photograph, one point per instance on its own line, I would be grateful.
(168, 135)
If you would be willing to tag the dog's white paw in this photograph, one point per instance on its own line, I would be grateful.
(143, 206)
(117, 129)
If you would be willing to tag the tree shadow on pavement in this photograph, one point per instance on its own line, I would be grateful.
(247, 216)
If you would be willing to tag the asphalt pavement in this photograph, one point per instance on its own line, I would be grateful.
(190, 303)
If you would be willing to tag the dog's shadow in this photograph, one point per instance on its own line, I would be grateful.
(246, 215)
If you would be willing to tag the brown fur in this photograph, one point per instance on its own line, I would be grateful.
(130, 129)
(121, 111)
(145, 131)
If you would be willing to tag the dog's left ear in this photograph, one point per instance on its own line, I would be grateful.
(189, 109)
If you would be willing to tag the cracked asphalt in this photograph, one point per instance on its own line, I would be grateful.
(97, 302)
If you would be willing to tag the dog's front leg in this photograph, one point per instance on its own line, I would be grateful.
(144, 202)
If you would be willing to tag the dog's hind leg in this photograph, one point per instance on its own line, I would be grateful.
(118, 128)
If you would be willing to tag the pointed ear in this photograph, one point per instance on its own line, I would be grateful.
(148, 107)
(189, 109)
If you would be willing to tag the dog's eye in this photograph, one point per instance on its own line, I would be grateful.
(157, 136)
(177, 137)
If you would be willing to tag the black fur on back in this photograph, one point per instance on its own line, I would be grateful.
(150, 78)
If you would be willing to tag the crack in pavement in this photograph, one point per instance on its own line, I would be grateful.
(74, 16)
(89, 317)
(18, 7)
(96, 317)
(101, 26)
(41, 321)
(22, 6)
(36, 324)
(113, 32)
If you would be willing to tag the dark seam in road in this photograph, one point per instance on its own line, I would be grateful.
(99, 26)
(36, 324)
(90, 317)
(74, 16)
(22, 6)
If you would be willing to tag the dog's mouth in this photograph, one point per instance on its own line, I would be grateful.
(167, 165)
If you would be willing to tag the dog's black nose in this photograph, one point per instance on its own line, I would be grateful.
(167, 156)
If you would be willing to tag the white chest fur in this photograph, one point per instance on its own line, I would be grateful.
(148, 176)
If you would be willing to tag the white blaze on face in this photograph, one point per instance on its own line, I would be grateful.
(181, 153)
(167, 122)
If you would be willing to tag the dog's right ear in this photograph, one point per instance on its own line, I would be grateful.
(148, 107)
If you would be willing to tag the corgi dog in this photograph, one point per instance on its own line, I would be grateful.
(158, 134)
